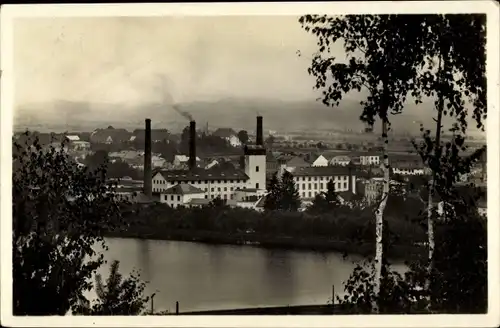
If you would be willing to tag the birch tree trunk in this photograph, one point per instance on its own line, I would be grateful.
(379, 217)
(437, 157)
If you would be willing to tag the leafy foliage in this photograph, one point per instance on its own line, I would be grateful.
(243, 136)
(326, 201)
(60, 212)
(118, 296)
(273, 198)
(290, 199)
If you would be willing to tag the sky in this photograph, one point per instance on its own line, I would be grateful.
(144, 59)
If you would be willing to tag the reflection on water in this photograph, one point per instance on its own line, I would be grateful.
(278, 275)
(143, 256)
(205, 277)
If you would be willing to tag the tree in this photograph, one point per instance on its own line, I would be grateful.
(217, 202)
(273, 197)
(97, 159)
(59, 214)
(326, 201)
(460, 71)
(243, 136)
(290, 199)
(118, 296)
(270, 141)
(383, 55)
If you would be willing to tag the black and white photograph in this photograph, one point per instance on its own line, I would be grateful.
(231, 159)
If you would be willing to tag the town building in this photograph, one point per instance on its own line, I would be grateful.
(404, 168)
(292, 163)
(181, 194)
(110, 135)
(369, 159)
(407, 164)
(312, 181)
(229, 134)
(183, 160)
(342, 160)
(320, 161)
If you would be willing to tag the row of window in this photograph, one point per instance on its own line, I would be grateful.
(344, 177)
(199, 181)
(303, 186)
(172, 197)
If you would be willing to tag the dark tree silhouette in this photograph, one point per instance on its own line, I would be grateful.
(290, 199)
(273, 198)
(60, 212)
(327, 201)
(243, 136)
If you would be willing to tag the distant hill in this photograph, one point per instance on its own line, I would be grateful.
(230, 112)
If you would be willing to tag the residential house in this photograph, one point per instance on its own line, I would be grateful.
(292, 163)
(234, 141)
(404, 168)
(157, 161)
(229, 134)
(369, 159)
(320, 161)
(180, 160)
(407, 165)
(342, 160)
(110, 135)
(181, 194)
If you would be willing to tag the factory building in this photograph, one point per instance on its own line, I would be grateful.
(313, 180)
(200, 183)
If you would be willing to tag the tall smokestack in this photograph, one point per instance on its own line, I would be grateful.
(192, 145)
(260, 135)
(148, 175)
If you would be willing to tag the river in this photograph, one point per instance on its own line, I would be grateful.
(210, 277)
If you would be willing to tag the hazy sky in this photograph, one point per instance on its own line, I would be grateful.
(119, 60)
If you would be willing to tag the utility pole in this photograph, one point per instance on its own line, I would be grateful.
(152, 303)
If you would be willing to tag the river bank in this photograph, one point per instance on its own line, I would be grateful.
(316, 243)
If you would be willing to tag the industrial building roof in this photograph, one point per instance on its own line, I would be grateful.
(183, 189)
(322, 171)
(214, 173)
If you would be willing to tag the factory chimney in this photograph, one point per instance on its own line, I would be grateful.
(148, 175)
(192, 145)
(260, 135)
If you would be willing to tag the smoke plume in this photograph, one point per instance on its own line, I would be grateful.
(168, 99)
(183, 113)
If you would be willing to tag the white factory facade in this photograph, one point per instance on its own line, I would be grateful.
(198, 186)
